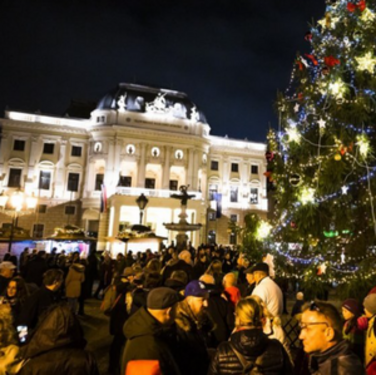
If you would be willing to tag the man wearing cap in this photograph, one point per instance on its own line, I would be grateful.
(193, 327)
(6, 273)
(148, 332)
(267, 289)
(369, 304)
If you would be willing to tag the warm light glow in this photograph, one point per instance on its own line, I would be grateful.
(307, 195)
(366, 62)
(17, 200)
(294, 135)
(3, 199)
(263, 230)
(363, 144)
(31, 202)
(367, 16)
(337, 88)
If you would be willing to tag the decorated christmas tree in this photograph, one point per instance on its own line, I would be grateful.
(321, 162)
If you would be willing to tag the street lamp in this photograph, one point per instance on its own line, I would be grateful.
(18, 203)
(142, 202)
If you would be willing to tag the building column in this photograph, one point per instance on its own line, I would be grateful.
(195, 170)
(190, 168)
(59, 183)
(166, 169)
(88, 187)
(141, 167)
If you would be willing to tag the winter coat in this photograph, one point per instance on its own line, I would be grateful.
(269, 356)
(36, 305)
(176, 285)
(75, 277)
(34, 271)
(192, 335)
(199, 269)
(3, 284)
(354, 332)
(177, 265)
(147, 339)
(10, 363)
(371, 341)
(337, 360)
(57, 347)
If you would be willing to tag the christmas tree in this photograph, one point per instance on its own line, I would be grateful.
(321, 162)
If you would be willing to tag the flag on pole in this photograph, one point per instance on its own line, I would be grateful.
(103, 199)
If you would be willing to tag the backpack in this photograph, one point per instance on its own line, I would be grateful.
(249, 368)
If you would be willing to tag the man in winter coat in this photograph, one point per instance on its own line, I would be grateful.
(42, 299)
(148, 332)
(321, 335)
(267, 289)
(178, 263)
(57, 346)
(73, 281)
(193, 327)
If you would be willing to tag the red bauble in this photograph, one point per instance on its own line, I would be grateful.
(331, 61)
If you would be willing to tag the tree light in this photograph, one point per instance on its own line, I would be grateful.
(363, 144)
(366, 62)
(294, 135)
(307, 195)
(337, 88)
(263, 230)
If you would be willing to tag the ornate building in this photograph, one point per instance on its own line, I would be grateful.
(137, 140)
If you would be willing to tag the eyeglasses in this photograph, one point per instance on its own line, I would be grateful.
(306, 325)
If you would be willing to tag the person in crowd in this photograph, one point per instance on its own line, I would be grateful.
(355, 326)
(201, 265)
(24, 258)
(35, 269)
(91, 273)
(215, 269)
(6, 273)
(105, 274)
(247, 289)
(178, 281)
(193, 328)
(15, 296)
(369, 304)
(86, 288)
(42, 299)
(13, 259)
(148, 334)
(267, 289)
(220, 310)
(73, 282)
(187, 257)
(120, 264)
(57, 346)
(240, 268)
(227, 265)
(139, 293)
(129, 259)
(10, 361)
(176, 264)
(153, 278)
(321, 335)
(249, 350)
(62, 260)
(230, 289)
(297, 308)
(52, 258)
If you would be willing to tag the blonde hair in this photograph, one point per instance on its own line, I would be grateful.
(248, 313)
(265, 312)
(7, 336)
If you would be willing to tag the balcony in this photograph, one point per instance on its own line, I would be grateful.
(154, 193)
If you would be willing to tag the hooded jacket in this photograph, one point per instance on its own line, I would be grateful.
(268, 356)
(337, 360)
(57, 347)
(148, 339)
(75, 277)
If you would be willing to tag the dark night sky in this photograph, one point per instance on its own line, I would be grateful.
(230, 56)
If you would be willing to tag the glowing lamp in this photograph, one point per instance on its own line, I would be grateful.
(17, 200)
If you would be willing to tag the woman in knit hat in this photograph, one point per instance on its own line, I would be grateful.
(355, 325)
(369, 304)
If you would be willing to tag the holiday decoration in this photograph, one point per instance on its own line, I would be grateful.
(366, 62)
(295, 180)
(330, 61)
(263, 230)
(337, 157)
(361, 6)
(307, 195)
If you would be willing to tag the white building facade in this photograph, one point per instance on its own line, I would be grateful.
(138, 140)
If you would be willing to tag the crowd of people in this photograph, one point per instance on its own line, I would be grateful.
(205, 311)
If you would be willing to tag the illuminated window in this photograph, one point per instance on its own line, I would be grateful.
(44, 180)
(254, 196)
(234, 194)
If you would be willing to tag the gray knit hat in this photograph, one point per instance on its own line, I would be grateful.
(370, 303)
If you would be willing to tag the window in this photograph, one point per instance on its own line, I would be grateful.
(254, 196)
(213, 188)
(125, 181)
(149, 183)
(42, 208)
(234, 218)
(101, 119)
(48, 148)
(234, 194)
(214, 165)
(19, 145)
(38, 230)
(232, 239)
(99, 177)
(212, 236)
(70, 210)
(254, 169)
(76, 151)
(14, 178)
(174, 185)
(44, 180)
(234, 167)
(73, 180)
(212, 216)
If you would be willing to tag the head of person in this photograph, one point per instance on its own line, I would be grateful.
(321, 326)
(248, 313)
(160, 302)
(41, 254)
(119, 257)
(7, 269)
(180, 276)
(53, 279)
(207, 279)
(266, 314)
(300, 296)
(351, 309)
(196, 295)
(154, 265)
(229, 280)
(249, 276)
(369, 304)
(260, 271)
(186, 256)
(128, 275)
(202, 257)
(76, 257)
(7, 332)
(26, 250)
(215, 267)
(17, 288)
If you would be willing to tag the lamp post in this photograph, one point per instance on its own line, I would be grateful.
(142, 202)
(18, 203)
